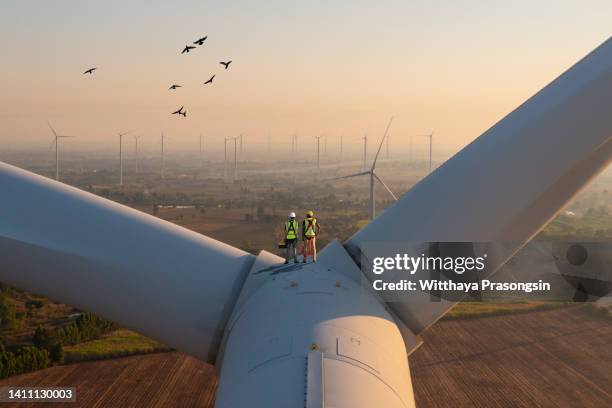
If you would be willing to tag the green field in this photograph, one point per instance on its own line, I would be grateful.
(472, 310)
(118, 343)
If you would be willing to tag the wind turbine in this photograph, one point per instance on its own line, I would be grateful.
(201, 157)
(318, 152)
(55, 141)
(163, 156)
(365, 150)
(121, 156)
(372, 173)
(136, 151)
(274, 339)
(225, 140)
(388, 137)
(235, 139)
(410, 149)
(294, 143)
(430, 137)
(325, 144)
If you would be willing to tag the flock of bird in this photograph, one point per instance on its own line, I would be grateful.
(186, 50)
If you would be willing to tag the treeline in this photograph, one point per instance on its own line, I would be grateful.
(86, 327)
(24, 360)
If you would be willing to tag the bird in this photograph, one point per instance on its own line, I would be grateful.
(201, 40)
(187, 49)
(89, 71)
(210, 80)
(174, 87)
(226, 64)
(180, 112)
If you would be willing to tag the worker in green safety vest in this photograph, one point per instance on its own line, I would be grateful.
(310, 230)
(291, 238)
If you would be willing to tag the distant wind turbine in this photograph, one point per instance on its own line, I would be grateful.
(294, 141)
(365, 150)
(163, 156)
(430, 151)
(136, 151)
(325, 144)
(235, 139)
(372, 173)
(410, 149)
(55, 141)
(430, 137)
(225, 140)
(318, 152)
(201, 156)
(121, 156)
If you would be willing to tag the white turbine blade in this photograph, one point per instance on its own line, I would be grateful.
(385, 186)
(144, 273)
(363, 173)
(53, 141)
(381, 142)
(510, 182)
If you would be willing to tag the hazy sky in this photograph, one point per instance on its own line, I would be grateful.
(310, 67)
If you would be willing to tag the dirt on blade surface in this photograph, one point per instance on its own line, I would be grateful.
(555, 358)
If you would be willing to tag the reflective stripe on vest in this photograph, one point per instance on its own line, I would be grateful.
(291, 229)
(310, 227)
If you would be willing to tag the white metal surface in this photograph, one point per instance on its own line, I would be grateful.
(291, 311)
(315, 380)
(155, 277)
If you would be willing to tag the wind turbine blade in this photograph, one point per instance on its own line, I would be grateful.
(381, 142)
(505, 186)
(385, 186)
(363, 173)
(144, 273)
(53, 141)
(51, 127)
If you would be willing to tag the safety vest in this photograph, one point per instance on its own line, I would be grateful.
(310, 227)
(291, 227)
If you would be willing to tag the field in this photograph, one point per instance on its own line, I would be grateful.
(552, 358)
(114, 344)
(472, 310)
(557, 358)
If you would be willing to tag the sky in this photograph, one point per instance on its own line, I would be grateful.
(311, 68)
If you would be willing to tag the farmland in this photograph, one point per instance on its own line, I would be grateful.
(546, 358)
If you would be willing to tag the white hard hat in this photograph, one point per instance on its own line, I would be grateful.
(292, 215)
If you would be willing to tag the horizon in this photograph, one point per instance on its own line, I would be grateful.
(425, 67)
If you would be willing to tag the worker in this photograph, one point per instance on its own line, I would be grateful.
(310, 230)
(291, 237)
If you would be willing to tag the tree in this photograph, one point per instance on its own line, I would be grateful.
(7, 313)
(57, 353)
